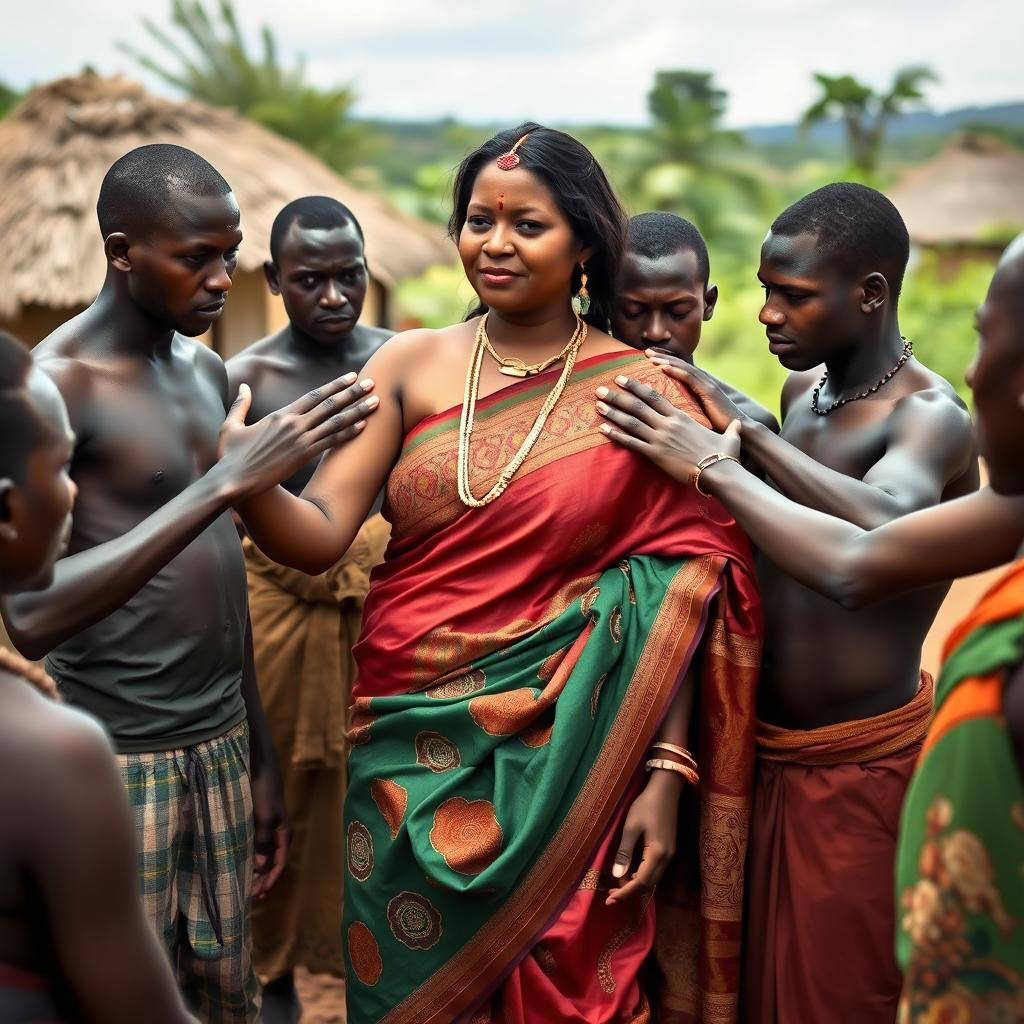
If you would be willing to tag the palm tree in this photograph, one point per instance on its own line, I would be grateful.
(212, 63)
(695, 166)
(864, 112)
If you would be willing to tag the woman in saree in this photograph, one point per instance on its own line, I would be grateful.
(549, 612)
(960, 859)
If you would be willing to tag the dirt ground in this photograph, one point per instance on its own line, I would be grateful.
(323, 998)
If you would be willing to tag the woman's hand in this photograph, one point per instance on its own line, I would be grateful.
(651, 822)
(644, 421)
(718, 406)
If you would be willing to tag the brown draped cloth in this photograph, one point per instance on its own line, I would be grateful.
(304, 628)
(821, 916)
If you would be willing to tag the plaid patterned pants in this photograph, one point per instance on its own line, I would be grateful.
(193, 823)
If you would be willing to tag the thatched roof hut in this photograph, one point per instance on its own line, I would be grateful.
(970, 196)
(58, 143)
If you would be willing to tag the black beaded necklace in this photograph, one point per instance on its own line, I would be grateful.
(908, 351)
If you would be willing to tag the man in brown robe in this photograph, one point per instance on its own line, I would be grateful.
(304, 627)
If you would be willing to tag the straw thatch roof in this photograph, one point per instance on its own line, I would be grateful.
(972, 192)
(58, 143)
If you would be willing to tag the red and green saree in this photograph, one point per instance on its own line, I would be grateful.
(515, 664)
(960, 863)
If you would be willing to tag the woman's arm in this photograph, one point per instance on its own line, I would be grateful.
(653, 816)
(312, 531)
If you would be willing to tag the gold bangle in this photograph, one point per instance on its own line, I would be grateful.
(681, 751)
(672, 766)
(708, 461)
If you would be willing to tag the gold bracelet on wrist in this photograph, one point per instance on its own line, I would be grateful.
(708, 461)
(673, 748)
(665, 764)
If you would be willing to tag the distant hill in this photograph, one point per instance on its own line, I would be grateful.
(406, 145)
(920, 122)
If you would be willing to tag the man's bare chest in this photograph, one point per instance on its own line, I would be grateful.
(149, 440)
(849, 440)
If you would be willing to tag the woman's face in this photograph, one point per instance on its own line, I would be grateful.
(516, 246)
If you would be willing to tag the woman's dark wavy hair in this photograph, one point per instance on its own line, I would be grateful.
(582, 192)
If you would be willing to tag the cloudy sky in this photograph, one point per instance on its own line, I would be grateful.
(565, 60)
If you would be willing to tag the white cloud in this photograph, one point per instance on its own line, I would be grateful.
(556, 60)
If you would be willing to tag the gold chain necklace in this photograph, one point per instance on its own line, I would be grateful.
(480, 346)
(513, 367)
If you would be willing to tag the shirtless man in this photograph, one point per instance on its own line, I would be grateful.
(664, 295)
(304, 629)
(74, 943)
(145, 623)
(843, 704)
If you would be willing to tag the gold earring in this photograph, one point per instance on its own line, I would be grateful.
(581, 300)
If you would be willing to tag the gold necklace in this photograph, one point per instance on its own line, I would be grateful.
(513, 367)
(571, 351)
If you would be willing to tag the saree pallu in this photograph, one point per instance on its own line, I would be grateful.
(960, 863)
(515, 664)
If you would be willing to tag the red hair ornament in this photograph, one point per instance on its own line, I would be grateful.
(510, 161)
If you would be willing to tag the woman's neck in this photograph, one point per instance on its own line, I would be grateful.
(531, 335)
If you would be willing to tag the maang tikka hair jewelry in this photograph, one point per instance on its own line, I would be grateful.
(510, 161)
(581, 300)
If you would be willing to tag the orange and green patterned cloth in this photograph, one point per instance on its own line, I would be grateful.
(516, 662)
(960, 865)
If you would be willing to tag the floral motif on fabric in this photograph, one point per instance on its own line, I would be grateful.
(362, 719)
(364, 953)
(503, 714)
(723, 849)
(949, 914)
(589, 599)
(537, 735)
(414, 920)
(615, 624)
(360, 851)
(467, 834)
(545, 958)
(549, 666)
(437, 752)
(605, 976)
(461, 686)
(627, 570)
(595, 697)
(391, 800)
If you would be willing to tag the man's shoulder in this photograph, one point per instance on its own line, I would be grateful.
(48, 737)
(931, 397)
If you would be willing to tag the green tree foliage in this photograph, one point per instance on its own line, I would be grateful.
(208, 59)
(695, 166)
(8, 98)
(865, 113)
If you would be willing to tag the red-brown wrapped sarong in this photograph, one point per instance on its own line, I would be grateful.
(821, 914)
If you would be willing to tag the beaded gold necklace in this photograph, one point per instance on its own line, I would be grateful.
(466, 422)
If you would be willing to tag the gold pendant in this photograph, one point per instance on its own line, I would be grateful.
(511, 370)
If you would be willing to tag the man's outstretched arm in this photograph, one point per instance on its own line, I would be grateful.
(845, 562)
(91, 584)
(930, 444)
